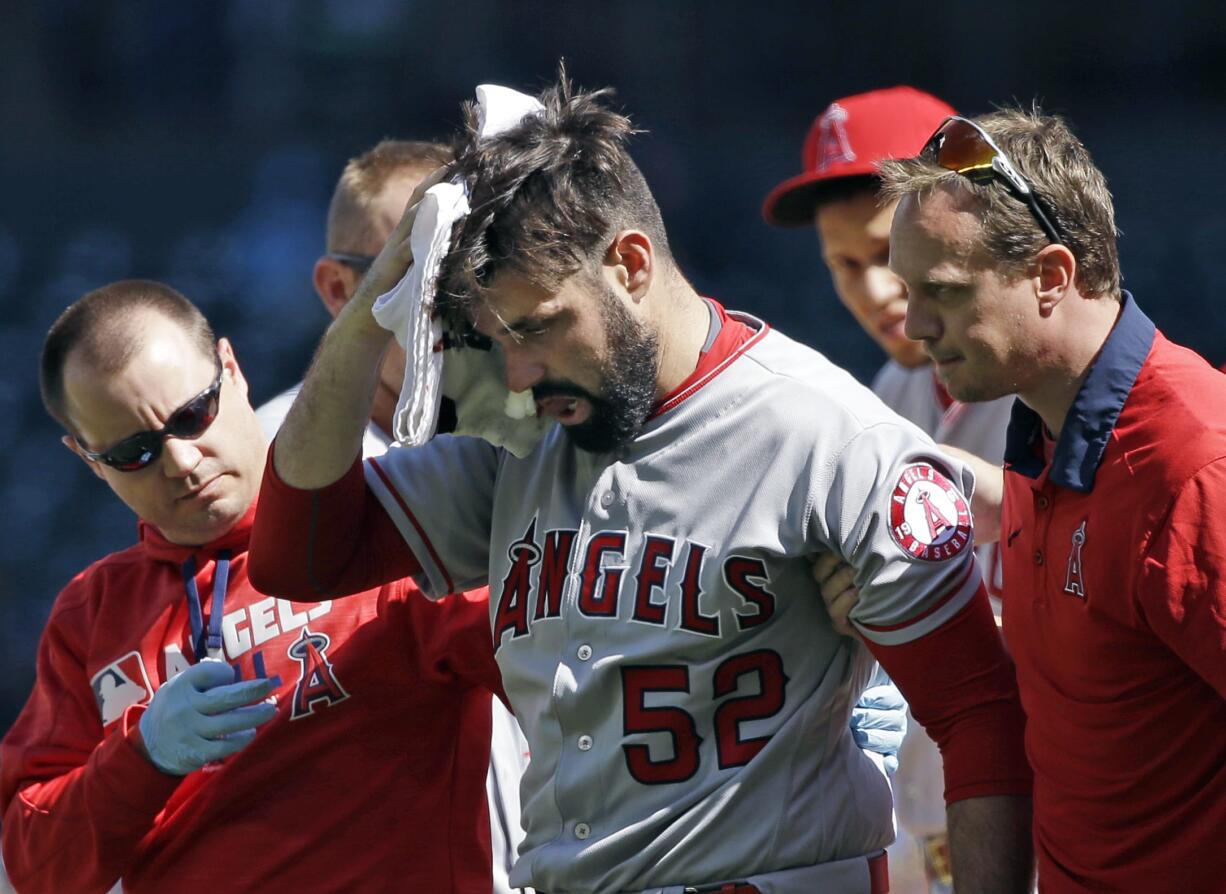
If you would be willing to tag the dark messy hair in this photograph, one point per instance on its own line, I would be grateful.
(547, 195)
(99, 324)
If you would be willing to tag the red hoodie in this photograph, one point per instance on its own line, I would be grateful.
(371, 777)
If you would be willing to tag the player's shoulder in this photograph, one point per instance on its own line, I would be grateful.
(813, 394)
(1176, 413)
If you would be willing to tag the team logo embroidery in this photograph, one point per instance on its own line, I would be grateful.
(120, 685)
(929, 517)
(317, 684)
(1073, 581)
(832, 142)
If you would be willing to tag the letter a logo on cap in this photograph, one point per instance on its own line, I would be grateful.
(832, 143)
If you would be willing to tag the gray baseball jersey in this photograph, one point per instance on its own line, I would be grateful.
(508, 748)
(659, 631)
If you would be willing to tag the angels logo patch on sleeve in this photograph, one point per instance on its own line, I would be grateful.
(929, 517)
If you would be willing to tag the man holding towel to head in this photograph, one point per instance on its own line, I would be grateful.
(370, 197)
(659, 632)
(368, 202)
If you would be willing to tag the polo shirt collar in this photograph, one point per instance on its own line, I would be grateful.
(1095, 410)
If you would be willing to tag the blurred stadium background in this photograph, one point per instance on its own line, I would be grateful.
(197, 142)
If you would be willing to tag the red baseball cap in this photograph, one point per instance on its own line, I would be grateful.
(848, 139)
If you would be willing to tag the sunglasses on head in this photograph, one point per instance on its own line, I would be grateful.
(187, 422)
(962, 146)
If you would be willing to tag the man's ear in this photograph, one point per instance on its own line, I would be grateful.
(229, 363)
(71, 443)
(630, 260)
(1055, 273)
(334, 283)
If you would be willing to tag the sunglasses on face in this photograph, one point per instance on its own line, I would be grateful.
(188, 422)
(962, 146)
(357, 263)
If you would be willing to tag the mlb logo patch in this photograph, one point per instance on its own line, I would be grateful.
(119, 685)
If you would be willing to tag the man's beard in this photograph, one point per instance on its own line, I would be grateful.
(627, 383)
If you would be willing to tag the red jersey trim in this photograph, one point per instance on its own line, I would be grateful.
(690, 387)
(945, 400)
(950, 594)
(413, 520)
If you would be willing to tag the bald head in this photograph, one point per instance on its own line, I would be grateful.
(102, 331)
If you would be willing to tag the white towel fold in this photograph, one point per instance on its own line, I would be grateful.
(408, 311)
(484, 407)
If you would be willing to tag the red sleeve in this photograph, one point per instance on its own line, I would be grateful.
(319, 544)
(1182, 593)
(453, 637)
(75, 804)
(963, 691)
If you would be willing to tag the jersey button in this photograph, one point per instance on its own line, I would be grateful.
(584, 652)
(1038, 557)
(1044, 501)
(606, 499)
(585, 743)
(582, 831)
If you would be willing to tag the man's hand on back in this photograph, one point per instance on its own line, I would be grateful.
(836, 580)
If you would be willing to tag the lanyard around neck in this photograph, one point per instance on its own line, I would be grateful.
(209, 647)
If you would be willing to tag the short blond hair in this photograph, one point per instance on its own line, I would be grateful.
(362, 182)
(1070, 188)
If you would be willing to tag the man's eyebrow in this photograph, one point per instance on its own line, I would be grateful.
(938, 285)
(528, 323)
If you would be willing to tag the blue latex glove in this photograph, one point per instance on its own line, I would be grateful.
(202, 715)
(879, 722)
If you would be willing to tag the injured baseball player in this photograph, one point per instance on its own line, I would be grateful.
(659, 633)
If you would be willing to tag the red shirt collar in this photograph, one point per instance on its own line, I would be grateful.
(159, 548)
(944, 398)
(731, 339)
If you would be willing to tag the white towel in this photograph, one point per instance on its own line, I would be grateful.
(408, 311)
(484, 406)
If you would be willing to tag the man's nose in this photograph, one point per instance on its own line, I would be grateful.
(522, 369)
(922, 324)
(180, 457)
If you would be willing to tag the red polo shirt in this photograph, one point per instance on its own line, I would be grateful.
(1115, 611)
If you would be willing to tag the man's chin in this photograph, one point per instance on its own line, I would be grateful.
(589, 440)
(595, 435)
(203, 524)
(907, 354)
(966, 389)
